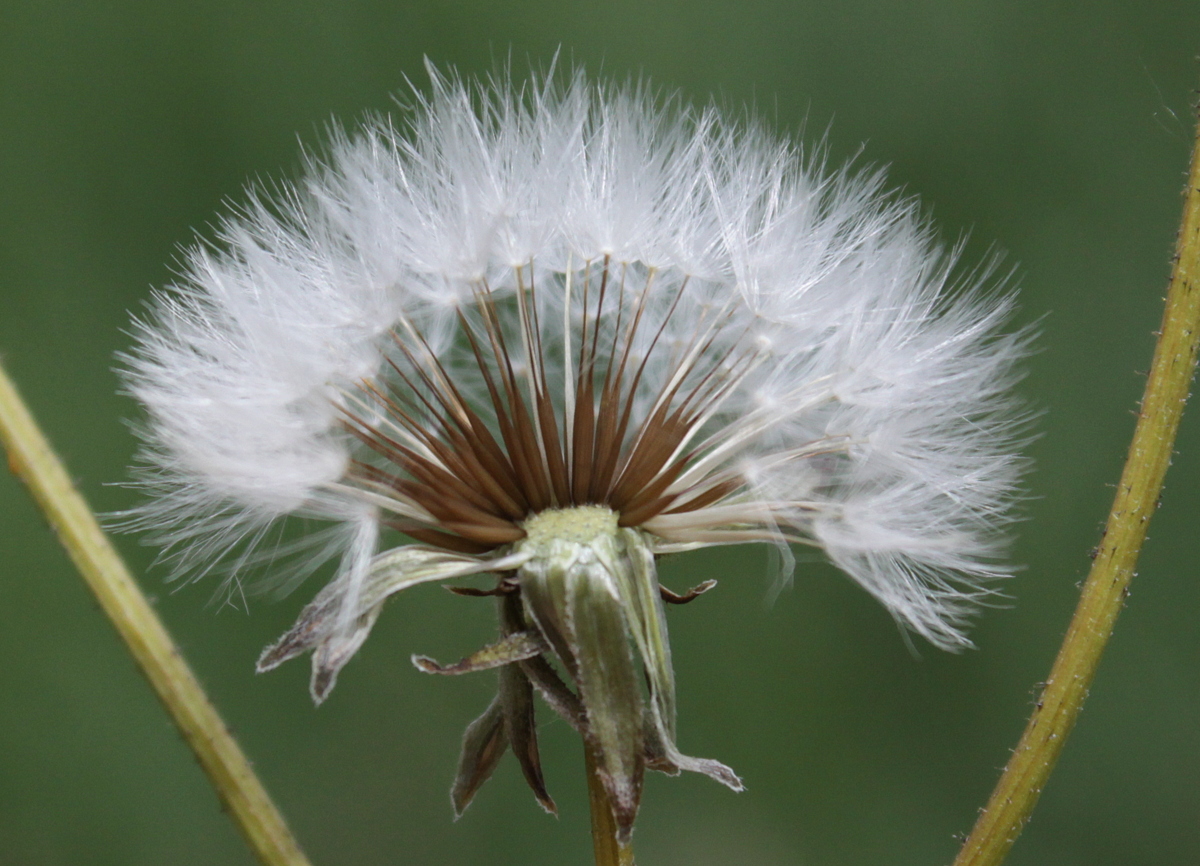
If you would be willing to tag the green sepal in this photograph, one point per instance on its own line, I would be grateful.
(509, 649)
(569, 592)
(483, 745)
(335, 634)
(516, 696)
(642, 599)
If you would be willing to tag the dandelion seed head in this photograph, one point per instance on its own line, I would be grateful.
(793, 304)
(529, 304)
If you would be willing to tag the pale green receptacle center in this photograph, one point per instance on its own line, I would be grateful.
(580, 524)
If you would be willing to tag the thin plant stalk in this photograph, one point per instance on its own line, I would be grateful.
(609, 850)
(31, 458)
(1107, 584)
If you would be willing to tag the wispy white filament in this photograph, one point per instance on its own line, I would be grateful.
(861, 398)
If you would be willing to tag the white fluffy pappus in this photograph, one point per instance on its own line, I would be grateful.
(540, 296)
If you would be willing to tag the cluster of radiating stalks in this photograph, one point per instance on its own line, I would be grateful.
(452, 482)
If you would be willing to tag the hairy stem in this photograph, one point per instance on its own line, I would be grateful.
(34, 462)
(609, 851)
(1107, 584)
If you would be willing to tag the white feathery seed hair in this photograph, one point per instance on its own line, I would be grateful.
(558, 293)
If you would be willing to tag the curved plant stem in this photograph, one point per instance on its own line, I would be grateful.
(34, 462)
(1107, 584)
(609, 851)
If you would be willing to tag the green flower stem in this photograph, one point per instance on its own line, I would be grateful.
(1107, 584)
(609, 851)
(31, 458)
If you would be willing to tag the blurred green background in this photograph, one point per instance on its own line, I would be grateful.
(1055, 132)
